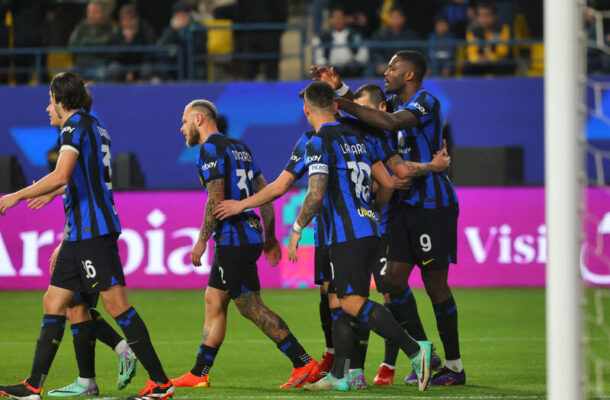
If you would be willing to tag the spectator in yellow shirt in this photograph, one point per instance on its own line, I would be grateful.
(487, 54)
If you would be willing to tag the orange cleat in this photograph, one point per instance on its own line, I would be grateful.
(385, 376)
(325, 365)
(301, 376)
(191, 380)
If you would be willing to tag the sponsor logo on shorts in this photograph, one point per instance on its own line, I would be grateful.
(428, 261)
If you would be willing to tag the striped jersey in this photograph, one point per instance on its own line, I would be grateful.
(419, 144)
(343, 154)
(88, 201)
(221, 157)
(382, 144)
(296, 166)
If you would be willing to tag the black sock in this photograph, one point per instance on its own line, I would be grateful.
(345, 338)
(103, 331)
(326, 320)
(447, 324)
(51, 333)
(361, 346)
(205, 360)
(404, 309)
(291, 347)
(381, 321)
(391, 348)
(139, 340)
(83, 337)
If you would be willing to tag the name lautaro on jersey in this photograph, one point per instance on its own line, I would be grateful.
(353, 149)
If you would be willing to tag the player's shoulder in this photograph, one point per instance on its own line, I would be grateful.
(423, 98)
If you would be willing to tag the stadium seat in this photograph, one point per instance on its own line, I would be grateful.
(220, 43)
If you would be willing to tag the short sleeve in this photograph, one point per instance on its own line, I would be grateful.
(211, 164)
(422, 107)
(71, 138)
(316, 157)
(296, 164)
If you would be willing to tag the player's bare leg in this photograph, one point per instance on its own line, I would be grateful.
(214, 330)
(251, 306)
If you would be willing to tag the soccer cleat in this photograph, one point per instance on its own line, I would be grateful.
(300, 376)
(191, 380)
(74, 390)
(329, 382)
(325, 365)
(385, 376)
(435, 366)
(21, 391)
(356, 379)
(448, 377)
(154, 391)
(421, 363)
(127, 367)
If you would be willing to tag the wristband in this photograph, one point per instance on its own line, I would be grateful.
(296, 227)
(342, 90)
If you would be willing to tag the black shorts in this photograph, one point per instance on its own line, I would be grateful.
(425, 237)
(89, 266)
(90, 299)
(322, 272)
(351, 265)
(234, 269)
(381, 264)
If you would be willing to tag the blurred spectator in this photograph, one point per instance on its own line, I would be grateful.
(486, 54)
(362, 15)
(95, 30)
(442, 55)
(155, 12)
(264, 42)
(131, 31)
(27, 20)
(459, 14)
(340, 47)
(178, 32)
(420, 14)
(396, 31)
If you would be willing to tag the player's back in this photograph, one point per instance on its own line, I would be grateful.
(347, 158)
(88, 202)
(231, 160)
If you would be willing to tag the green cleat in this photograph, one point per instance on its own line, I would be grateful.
(329, 382)
(356, 379)
(74, 390)
(421, 363)
(127, 367)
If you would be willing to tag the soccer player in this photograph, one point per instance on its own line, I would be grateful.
(227, 171)
(88, 260)
(405, 309)
(425, 231)
(87, 324)
(341, 162)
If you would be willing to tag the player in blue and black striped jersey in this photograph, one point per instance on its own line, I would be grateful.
(342, 163)
(228, 171)
(294, 170)
(425, 233)
(88, 260)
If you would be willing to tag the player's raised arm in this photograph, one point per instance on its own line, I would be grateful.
(330, 76)
(51, 182)
(311, 203)
(271, 246)
(216, 194)
(267, 194)
(398, 120)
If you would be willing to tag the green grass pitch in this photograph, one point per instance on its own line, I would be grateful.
(501, 331)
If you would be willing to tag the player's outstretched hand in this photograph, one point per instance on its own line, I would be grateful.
(272, 250)
(293, 244)
(402, 183)
(441, 160)
(197, 252)
(326, 74)
(8, 201)
(53, 259)
(36, 203)
(228, 208)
